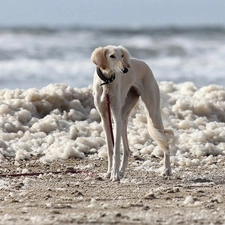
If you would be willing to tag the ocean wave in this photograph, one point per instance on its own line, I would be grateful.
(172, 53)
(132, 30)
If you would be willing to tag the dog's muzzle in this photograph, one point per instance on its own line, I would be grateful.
(122, 67)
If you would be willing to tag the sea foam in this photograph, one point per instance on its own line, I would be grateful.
(59, 121)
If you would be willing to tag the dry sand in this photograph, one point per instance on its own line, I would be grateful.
(194, 195)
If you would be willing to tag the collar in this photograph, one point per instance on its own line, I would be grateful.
(105, 79)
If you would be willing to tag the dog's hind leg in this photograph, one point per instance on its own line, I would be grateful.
(131, 101)
(160, 136)
(115, 176)
(151, 98)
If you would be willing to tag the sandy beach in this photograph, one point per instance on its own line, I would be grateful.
(194, 196)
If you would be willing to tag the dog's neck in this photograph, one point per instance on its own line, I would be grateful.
(107, 76)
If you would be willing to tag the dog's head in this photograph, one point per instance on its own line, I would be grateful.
(111, 58)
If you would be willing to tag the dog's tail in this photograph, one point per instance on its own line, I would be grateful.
(166, 139)
(165, 113)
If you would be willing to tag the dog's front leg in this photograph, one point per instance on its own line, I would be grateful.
(126, 151)
(115, 175)
(101, 106)
(109, 144)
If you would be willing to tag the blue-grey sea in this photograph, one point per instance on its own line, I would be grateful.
(36, 57)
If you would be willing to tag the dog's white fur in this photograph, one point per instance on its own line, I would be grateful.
(134, 78)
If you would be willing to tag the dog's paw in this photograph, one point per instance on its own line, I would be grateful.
(122, 173)
(115, 176)
(107, 175)
(167, 172)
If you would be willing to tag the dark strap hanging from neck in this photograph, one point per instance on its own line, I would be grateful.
(105, 79)
(109, 118)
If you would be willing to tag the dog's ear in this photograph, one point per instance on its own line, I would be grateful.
(126, 56)
(98, 57)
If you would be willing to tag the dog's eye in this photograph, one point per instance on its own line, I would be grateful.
(112, 56)
(122, 55)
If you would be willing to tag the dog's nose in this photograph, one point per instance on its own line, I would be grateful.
(125, 70)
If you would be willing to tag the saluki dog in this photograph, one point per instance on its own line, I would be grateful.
(125, 80)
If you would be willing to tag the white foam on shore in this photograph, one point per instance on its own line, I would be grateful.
(59, 121)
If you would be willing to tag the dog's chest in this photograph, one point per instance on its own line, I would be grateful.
(116, 98)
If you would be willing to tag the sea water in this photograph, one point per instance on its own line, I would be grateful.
(36, 57)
